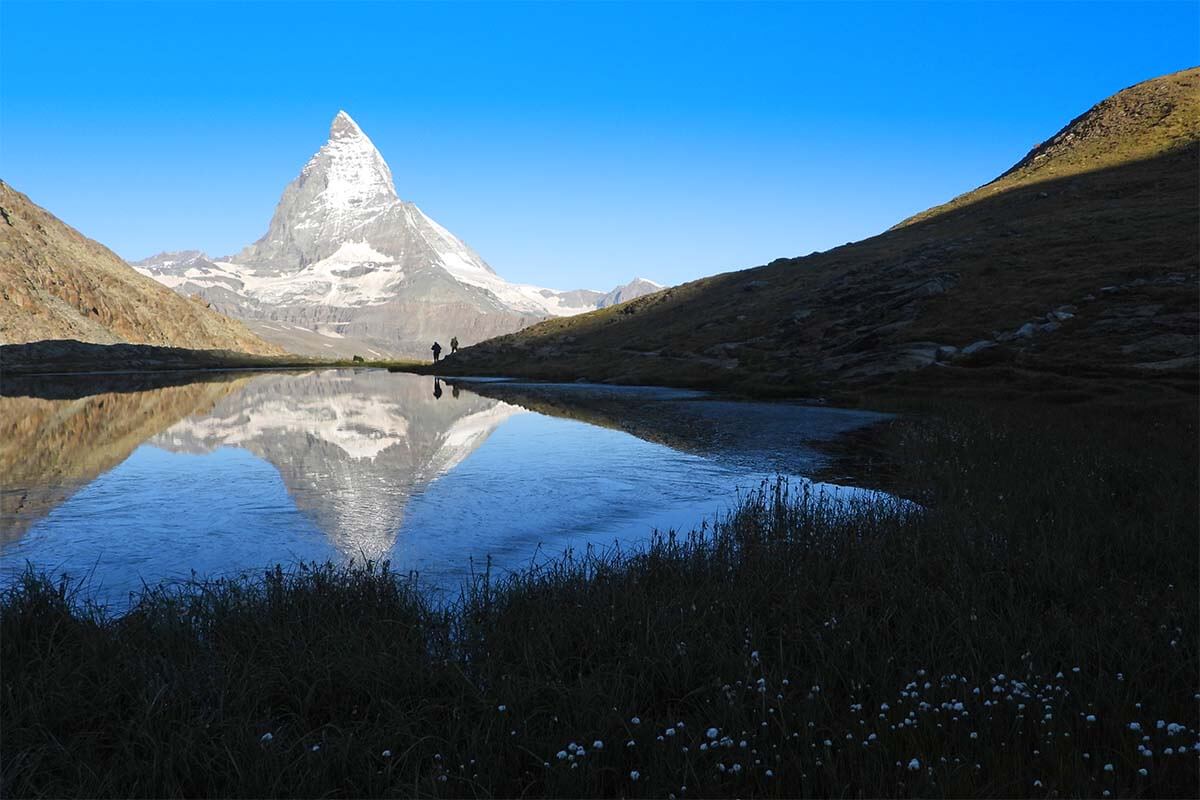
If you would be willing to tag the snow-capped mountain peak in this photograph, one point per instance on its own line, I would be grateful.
(352, 168)
(344, 193)
(345, 257)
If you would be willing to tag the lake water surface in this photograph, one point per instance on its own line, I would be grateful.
(126, 484)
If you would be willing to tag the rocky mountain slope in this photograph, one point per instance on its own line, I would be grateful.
(346, 266)
(55, 283)
(1072, 275)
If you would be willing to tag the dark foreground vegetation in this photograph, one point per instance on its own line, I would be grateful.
(1029, 629)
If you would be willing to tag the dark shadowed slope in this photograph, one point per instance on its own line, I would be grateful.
(1074, 274)
(55, 283)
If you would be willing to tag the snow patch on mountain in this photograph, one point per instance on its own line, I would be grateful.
(353, 275)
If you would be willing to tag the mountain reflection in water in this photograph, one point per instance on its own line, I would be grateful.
(351, 447)
(129, 483)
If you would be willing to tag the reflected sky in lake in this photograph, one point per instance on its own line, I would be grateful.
(240, 472)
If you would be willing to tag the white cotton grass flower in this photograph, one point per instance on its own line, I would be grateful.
(1109, 767)
(598, 745)
(712, 733)
(386, 754)
(1135, 726)
(316, 748)
(560, 755)
(1143, 772)
(914, 765)
(502, 708)
(636, 721)
(634, 775)
(266, 737)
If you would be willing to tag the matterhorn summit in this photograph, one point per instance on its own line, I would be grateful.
(341, 190)
(347, 266)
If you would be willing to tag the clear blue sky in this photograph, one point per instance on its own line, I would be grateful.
(571, 145)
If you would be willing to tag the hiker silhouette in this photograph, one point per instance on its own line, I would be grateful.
(454, 345)
(437, 351)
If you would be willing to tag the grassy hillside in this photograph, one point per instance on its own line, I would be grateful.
(1090, 241)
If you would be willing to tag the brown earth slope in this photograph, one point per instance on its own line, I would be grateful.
(55, 283)
(1073, 274)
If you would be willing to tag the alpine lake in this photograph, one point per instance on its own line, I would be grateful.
(128, 481)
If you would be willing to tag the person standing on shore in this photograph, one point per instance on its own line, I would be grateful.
(437, 351)
(454, 345)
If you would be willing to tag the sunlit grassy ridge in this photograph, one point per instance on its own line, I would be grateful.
(999, 640)
(1144, 121)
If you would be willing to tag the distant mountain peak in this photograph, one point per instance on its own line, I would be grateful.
(634, 289)
(168, 257)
